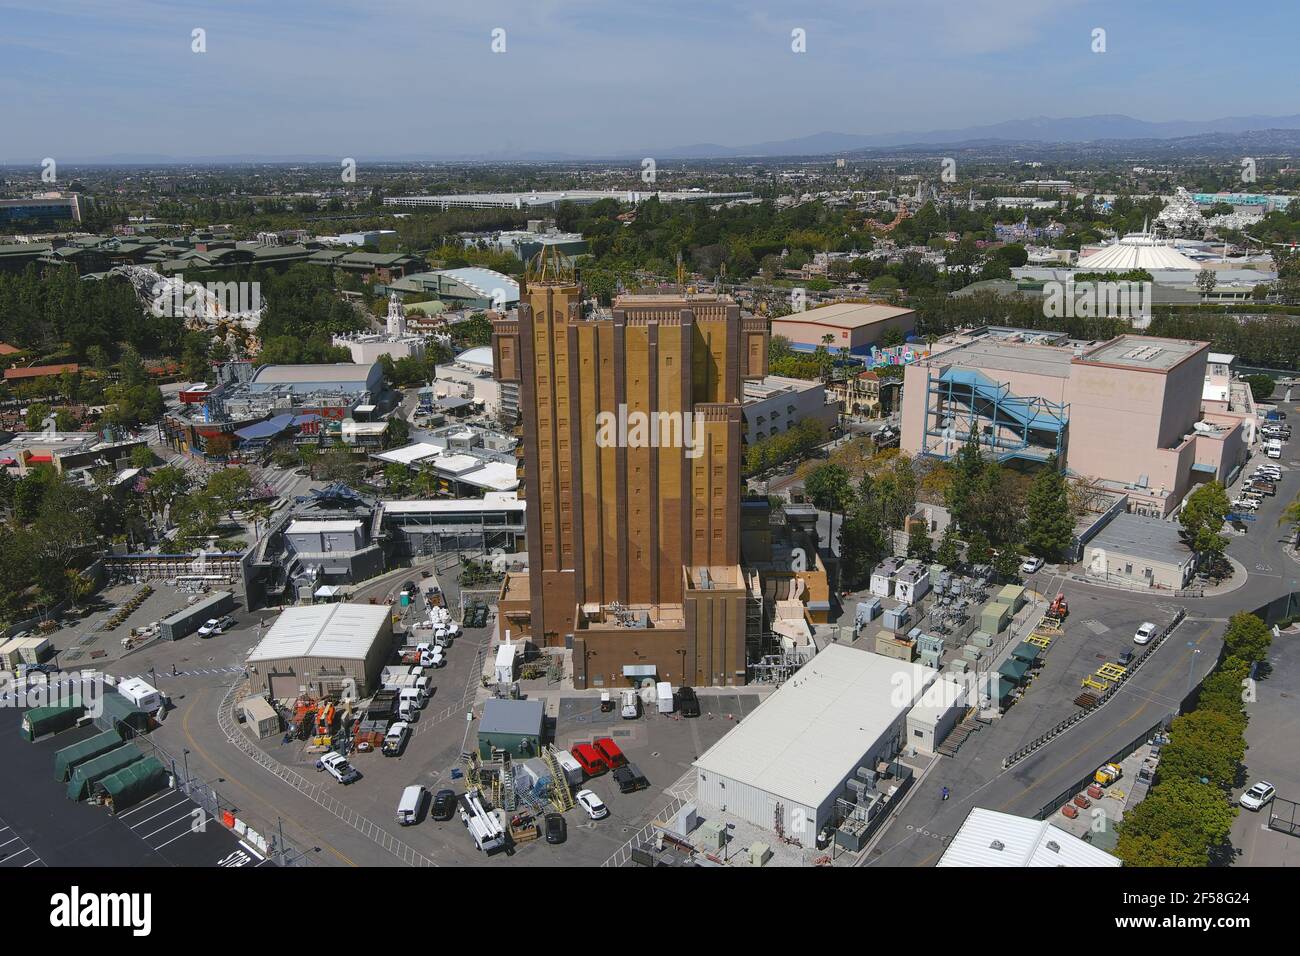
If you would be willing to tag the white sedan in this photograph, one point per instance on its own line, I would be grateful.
(1031, 565)
(210, 627)
(1258, 796)
(595, 808)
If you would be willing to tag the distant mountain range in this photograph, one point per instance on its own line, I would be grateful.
(1038, 129)
(1105, 128)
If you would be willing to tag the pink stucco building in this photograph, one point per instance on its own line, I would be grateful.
(1127, 413)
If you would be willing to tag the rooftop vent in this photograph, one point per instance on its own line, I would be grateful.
(997, 845)
(1054, 846)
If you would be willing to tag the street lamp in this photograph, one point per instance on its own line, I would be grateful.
(1191, 664)
(185, 757)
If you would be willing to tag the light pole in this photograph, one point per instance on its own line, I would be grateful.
(1191, 664)
(185, 757)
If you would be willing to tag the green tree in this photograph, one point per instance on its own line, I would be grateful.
(1247, 637)
(1049, 525)
(978, 549)
(1006, 564)
(862, 546)
(1205, 744)
(1261, 387)
(141, 457)
(949, 551)
(1175, 825)
(919, 546)
(829, 487)
(1201, 518)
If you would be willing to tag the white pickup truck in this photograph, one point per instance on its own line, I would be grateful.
(337, 766)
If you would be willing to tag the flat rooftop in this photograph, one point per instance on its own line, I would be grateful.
(812, 732)
(847, 315)
(330, 631)
(1002, 355)
(1143, 352)
(1141, 537)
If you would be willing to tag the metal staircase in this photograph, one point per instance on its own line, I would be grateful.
(561, 795)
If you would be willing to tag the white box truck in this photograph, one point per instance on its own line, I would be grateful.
(664, 696)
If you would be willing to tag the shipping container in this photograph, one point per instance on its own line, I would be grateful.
(185, 622)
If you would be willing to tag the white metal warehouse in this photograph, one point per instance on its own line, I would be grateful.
(990, 838)
(321, 649)
(844, 709)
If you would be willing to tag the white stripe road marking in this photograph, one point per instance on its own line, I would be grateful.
(174, 839)
(182, 801)
(7, 842)
(186, 816)
(149, 802)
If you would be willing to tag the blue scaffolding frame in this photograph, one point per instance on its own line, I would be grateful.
(1009, 426)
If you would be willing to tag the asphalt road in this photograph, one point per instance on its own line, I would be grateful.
(918, 833)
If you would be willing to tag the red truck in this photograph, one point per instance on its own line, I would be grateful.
(589, 758)
(609, 751)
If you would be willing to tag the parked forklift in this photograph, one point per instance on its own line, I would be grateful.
(1108, 774)
(1058, 610)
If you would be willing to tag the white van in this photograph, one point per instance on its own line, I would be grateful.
(1273, 449)
(408, 808)
(409, 703)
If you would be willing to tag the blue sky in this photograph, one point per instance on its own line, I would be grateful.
(373, 78)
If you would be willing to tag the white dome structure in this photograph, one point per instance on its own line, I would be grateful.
(1137, 250)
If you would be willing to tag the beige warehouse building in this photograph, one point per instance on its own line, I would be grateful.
(1126, 413)
(854, 326)
(325, 649)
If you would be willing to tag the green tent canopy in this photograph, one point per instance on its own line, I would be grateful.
(97, 769)
(134, 784)
(1014, 670)
(68, 758)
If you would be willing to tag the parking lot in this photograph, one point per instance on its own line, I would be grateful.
(41, 826)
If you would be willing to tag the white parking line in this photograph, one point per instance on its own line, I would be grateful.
(185, 816)
(181, 802)
(152, 800)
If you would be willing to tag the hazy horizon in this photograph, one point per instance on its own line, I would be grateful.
(85, 80)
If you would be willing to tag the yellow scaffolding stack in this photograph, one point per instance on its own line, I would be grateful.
(1111, 671)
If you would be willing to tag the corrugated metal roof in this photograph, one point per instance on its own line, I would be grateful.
(512, 717)
(989, 838)
(809, 735)
(345, 631)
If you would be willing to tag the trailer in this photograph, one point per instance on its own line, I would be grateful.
(185, 622)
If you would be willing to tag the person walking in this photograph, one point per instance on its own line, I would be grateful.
(945, 793)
